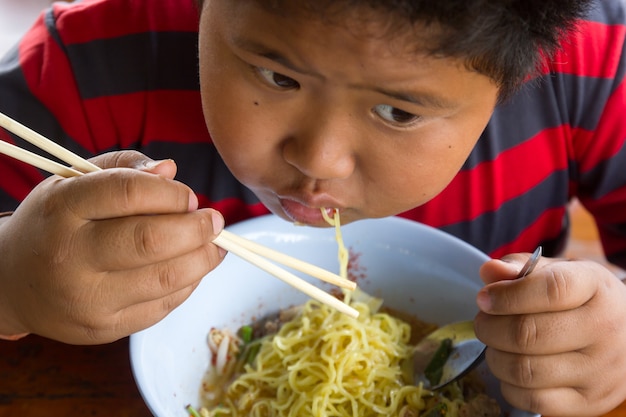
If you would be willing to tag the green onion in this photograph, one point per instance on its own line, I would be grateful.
(434, 369)
(192, 411)
(253, 351)
(246, 333)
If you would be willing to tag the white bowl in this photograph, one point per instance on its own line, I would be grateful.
(414, 268)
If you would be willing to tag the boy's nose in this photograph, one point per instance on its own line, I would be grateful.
(323, 149)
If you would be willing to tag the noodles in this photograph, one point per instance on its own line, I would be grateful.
(343, 252)
(325, 363)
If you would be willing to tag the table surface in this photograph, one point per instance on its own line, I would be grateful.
(40, 377)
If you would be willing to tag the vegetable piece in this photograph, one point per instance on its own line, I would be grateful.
(192, 411)
(252, 353)
(439, 410)
(246, 333)
(434, 369)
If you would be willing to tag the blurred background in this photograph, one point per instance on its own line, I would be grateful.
(16, 16)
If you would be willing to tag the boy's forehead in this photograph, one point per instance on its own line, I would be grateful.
(361, 19)
(510, 41)
(338, 11)
(329, 50)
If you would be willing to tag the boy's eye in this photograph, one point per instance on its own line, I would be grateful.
(276, 79)
(395, 115)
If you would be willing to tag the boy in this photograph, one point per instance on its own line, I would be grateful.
(429, 109)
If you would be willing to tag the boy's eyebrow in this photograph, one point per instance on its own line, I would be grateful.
(261, 50)
(423, 99)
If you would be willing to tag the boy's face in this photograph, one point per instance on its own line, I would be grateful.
(310, 114)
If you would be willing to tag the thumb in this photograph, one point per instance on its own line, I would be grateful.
(507, 268)
(136, 160)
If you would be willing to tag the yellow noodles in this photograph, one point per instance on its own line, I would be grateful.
(325, 363)
(343, 252)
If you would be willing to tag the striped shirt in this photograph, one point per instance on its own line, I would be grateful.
(97, 86)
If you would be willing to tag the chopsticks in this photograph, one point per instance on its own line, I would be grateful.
(226, 241)
(236, 242)
(248, 250)
(47, 145)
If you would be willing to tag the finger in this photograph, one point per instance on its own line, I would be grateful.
(135, 160)
(119, 192)
(121, 323)
(547, 333)
(156, 281)
(540, 371)
(552, 401)
(166, 168)
(555, 286)
(133, 242)
(561, 401)
(507, 268)
(141, 316)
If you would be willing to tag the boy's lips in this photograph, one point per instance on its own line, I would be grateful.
(304, 214)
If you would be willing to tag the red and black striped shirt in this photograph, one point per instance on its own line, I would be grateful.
(96, 86)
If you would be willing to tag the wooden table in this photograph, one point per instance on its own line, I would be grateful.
(39, 377)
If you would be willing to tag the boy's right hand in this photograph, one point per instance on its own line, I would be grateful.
(92, 259)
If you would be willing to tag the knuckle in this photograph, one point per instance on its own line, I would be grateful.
(536, 401)
(532, 400)
(557, 288)
(93, 328)
(148, 241)
(523, 371)
(167, 278)
(169, 303)
(526, 332)
(204, 227)
(130, 189)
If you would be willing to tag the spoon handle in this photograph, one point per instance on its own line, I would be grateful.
(530, 263)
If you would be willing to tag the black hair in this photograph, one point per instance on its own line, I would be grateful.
(507, 40)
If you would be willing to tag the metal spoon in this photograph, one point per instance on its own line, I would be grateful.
(453, 350)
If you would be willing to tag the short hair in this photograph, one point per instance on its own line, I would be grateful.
(507, 40)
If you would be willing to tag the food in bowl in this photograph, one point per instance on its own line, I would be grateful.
(321, 362)
(412, 267)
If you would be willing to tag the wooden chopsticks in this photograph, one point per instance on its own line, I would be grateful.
(248, 250)
(47, 145)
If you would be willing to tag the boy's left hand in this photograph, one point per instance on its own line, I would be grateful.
(557, 337)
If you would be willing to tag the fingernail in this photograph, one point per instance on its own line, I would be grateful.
(483, 299)
(153, 164)
(218, 222)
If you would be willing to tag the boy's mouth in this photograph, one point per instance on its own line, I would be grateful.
(303, 214)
